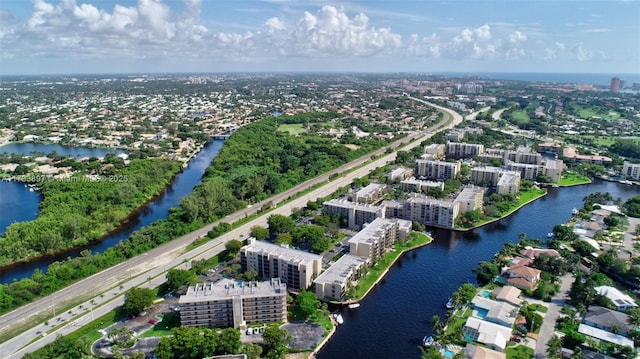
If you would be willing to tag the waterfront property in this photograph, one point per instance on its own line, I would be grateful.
(492, 335)
(378, 236)
(295, 268)
(509, 294)
(501, 313)
(631, 170)
(470, 198)
(506, 182)
(472, 351)
(231, 303)
(333, 282)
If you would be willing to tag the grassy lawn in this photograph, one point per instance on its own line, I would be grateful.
(572, 179)
(321, 317)
(520, 116)
(293, 128)
(519, 352)
(524, 197)
(588, 112)
(539, 308)
(367, 281)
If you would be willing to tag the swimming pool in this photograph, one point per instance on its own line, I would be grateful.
(481, 313)
(448, 353)
(485, 294)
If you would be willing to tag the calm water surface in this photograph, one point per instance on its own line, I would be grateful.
(394, 318)
(159, 208)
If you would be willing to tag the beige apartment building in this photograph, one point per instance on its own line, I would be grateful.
(470, 198)
(464, 150)
(333, 282)
(378, 236)
(433, 212)
(233, 303)
(357, 214)
(294, 268)
(438, 170)
(631, 170)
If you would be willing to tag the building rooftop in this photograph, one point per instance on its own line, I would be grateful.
(605, 335)
(339, 271)
(371, 189)
(343, 203)
(294, 255)
(374, 230)
(227, 288)
(607, 318)
(429, 200)
(509, 294)
(489, 333)
(617, 297)
(415, 181)
(469, 193)
(477, 352)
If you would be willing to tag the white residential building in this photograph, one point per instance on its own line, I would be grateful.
(333, 282)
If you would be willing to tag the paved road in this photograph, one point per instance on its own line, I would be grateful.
(104, 291)
(549, 322)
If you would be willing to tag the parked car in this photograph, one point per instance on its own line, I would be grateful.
(516, 339)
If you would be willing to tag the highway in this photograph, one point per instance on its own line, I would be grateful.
(104, 291)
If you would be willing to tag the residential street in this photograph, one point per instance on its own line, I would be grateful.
(549, 322)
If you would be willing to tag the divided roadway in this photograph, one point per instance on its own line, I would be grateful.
(104, 291)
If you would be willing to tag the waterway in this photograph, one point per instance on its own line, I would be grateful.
(18, 203)
(396, 315)
(182, 185)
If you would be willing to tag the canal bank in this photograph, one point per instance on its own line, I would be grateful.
(157, 208)
(396, 314)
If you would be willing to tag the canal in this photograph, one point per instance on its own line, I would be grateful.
(19, 205)
(396, 315)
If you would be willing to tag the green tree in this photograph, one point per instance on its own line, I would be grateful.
(233, 247)
(284, 238)
(137, 299)
(253, 351)
(308, 302)
(553, 347)
(280, 224)
(179, 277)
(486, 272)
(259, 233)
(276, 339)
(229, 341)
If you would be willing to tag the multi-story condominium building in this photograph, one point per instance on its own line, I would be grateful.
(552, 169)
(333, 282)
(524, 155)
(433, 212)
(414, 185)
(438, 170)
(232, 303)
(295, 268)
(570, 154)
(527, 171)
(376, 237)
(435, 150)
(400, 173)
(369, 194)
(470, 198)
(397, 209)
(455, 135)
(631, 170)
(509, 183)
(357, 214)
(464, 150)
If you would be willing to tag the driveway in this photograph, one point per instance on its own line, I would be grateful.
(549, 322)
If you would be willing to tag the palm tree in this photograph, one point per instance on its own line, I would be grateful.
(553, 347)
(436, 323)
(634, 317)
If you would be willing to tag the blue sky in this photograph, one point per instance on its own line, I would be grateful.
(125, 36)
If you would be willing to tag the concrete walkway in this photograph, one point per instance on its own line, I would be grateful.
(549, 322)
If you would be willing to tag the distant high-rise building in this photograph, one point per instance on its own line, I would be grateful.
(615, 84)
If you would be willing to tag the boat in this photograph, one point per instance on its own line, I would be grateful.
(428, 341)
(449, 304)
(338, 318)
(353, 305)
(550, 235)
(574, 211)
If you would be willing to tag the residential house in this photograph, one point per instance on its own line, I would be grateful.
(509, 294)
(492, 335)
(619, 299)
(472, 351)
(607, 319)
(501, 313)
